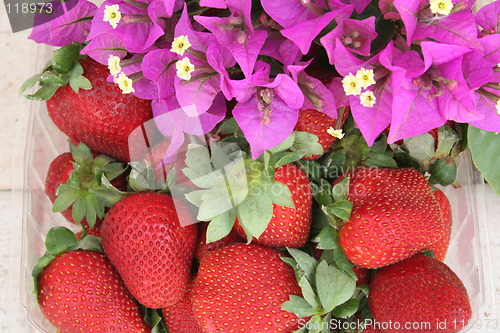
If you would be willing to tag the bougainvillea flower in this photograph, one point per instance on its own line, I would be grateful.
(72, 24)
(136, 29)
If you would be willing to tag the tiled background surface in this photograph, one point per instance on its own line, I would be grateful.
(16, 61)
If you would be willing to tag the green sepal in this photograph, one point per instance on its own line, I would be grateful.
(334, 286)
(154, 318)
(485, 149)
(308, 293)
(306, 144)
(63, 68)
(299, 306)
(142, 177)
(60, 240)
(221, 226)
(340, 191)
(76, 79)
(443, 171)
(88, 188)
(341, 209)
(281, 195)
(346, 309)
(306, 263)
(254, 214)
(64, 58)
(229, 126)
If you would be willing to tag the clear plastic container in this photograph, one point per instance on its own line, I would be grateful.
(468, 254)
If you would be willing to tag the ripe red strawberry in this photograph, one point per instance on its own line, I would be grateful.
(419, 290)
(242, 287)
(394, 216)
(144, 240)
(180, 318)
(81, 170)
(102, 117)
(289, 227)
(440, 248)
(202, 248)
(317, 123)
(80, 291)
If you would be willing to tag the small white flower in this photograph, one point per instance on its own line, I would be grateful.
(367, 99)
(184, 68)
(114, 65)
(442, 7)
(125, 83)
(180, 44)
(112, 15)
(335, 133)
(351, 85)
(365, 77)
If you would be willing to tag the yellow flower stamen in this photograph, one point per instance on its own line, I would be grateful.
(335, 133)
(184, 68)
(112, 15)
(125, 83)
(442, 7)
(365, 77)
(367, 99)
(180, 45)
(351, 85)
(114, 65)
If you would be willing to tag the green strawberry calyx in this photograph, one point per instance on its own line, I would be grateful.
(60, 240)
(233, 186)
(87, 189)
(328, 290)
(64, 68)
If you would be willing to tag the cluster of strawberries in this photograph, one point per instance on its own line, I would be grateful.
(135, 268)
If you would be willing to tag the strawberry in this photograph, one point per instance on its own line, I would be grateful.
(419, 290)
(143, 238)
(441, 246)
(75, 177)
(180, 317)
(317, 123)
(394, 216)
(241, 288)
(289, 227)
(101, 117)
(202, 248)
(80, 291)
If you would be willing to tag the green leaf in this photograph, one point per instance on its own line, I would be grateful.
(198, 162)
(64, 58)
(79, 209)
(306, 144)
(154, 319)
(221, 226)
(347, 309)
(228, 127)
(215, 201)
(485, 149)
(333, 163)
(380, 160)
(90, 243)
(299, 306)
(281, 195)
(269, 164)
(29, 83)
(290, 261)
(327, 239)
(333, 285)
(421, 147)
(196, 197)
(254, 214)
(66, 195)
(42, 262)
(322, 196)
(142, 176)
(447, 139)
(340, 191)
(287, 158)
(79, 82)
(341, 209)
(312, 168)
(315, 324)
(443, 171)
(44, 93)
(51, 78)
(308, 293)
(284, 146)
(305, 262)
(60, 240)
